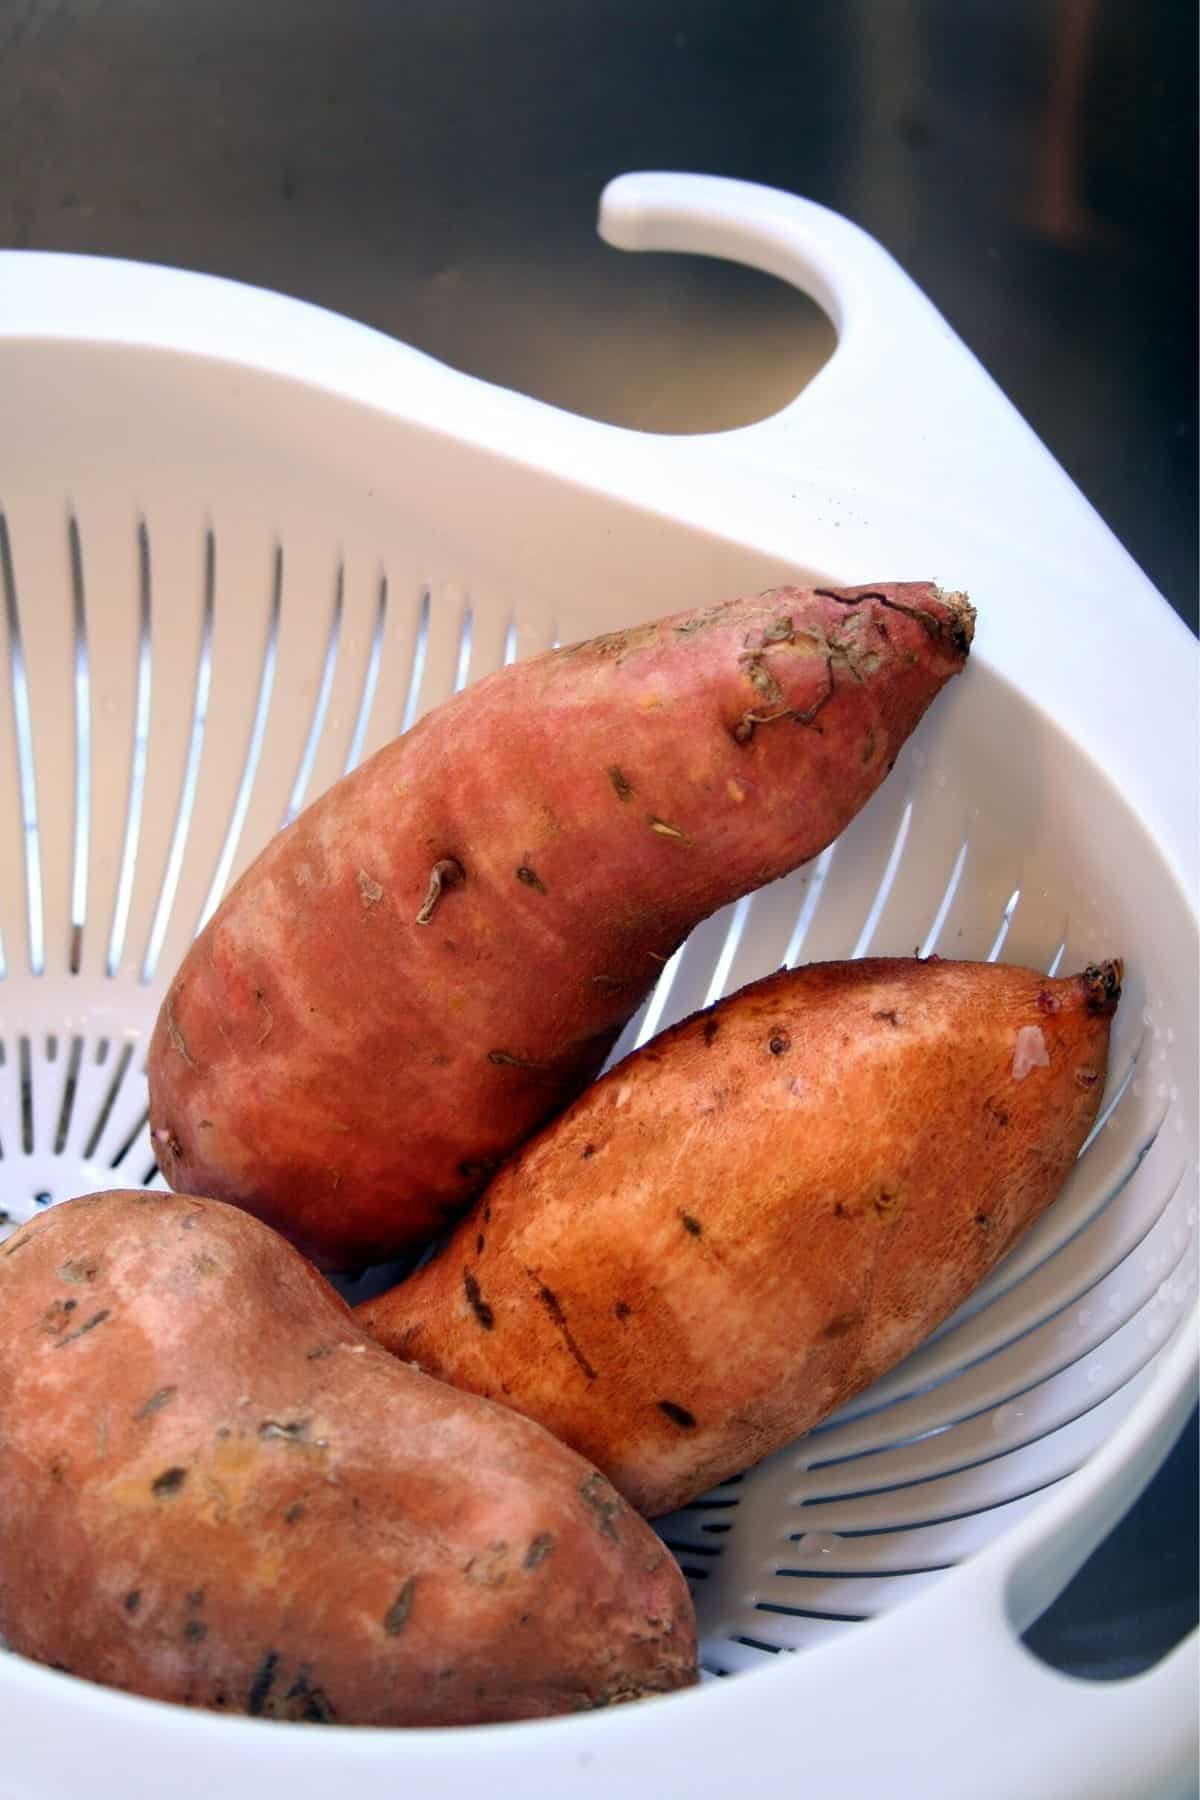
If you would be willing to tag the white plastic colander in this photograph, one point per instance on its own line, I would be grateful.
(243, 543)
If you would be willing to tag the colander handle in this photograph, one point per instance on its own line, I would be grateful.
(902, 406)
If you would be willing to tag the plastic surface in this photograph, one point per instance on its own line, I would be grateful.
(244, 543)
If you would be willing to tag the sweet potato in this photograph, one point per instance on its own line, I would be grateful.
(215, 1489)
(437, 955)
(755, 1216)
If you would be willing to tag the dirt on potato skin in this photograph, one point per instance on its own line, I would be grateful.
(758, 1215)
(354, 1041)
(239, 1502)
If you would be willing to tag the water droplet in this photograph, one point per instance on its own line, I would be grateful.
(818, 1543)
(1084, 1316)
(1095, 1374)
(1147, 1016)
(1006, 1416)
(1114, 1302)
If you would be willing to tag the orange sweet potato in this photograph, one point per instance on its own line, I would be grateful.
(762, 1211)
(440, 952)
(215, 1489)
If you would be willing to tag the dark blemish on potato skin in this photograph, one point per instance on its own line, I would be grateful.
(82, 1330)
(539, 1549)
(295, 1431)
(611, 984)
(156, 1402)
(604, 1503)
(196, 1597)
(476, 1302)
(396, 1616)
(133, 1600)
(1087, 1078)
(887, 1018)
(195, 1631)
(998, 1113)
(475, 1171)
(294, 1513)
(711, 1028)
(446, 873)
(587, 1151)
(487, 1212)
(504, 1059)
(622, 786)
(531, 878)
(691, 1225)
(549, 1299)
(262, 1684)
(75, 1271)
(176, 1036)
(779, 1043)
(885, 1205)
(1047, 1002)
(678, 1415)
(841, 1324)
(479, 1244)
(622, 1309)
(318, 1351)
(984, 1221)
(169, 1482)
(841, 1210)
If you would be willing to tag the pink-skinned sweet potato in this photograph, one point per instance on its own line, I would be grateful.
(762, 1211)
(440, 952)
(216, 1490)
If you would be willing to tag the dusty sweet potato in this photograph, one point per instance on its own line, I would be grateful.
(755, 1216)
(439, 953)
(215, 1489)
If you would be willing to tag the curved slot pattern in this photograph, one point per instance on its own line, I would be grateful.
(1014, 900)
(729, 949)
(812, 899)
(320, 709)
(83, 750)
(191, 773)
(417, 673)
(258, 730)
(370, 680)
(137, 764)
(929, 942)
(462, 669)
(886, 883)
(24, 733)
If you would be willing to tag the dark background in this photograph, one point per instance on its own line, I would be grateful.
(432, 167)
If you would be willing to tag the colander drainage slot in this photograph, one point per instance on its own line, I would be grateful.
(191, 773)
(309, 755)
(83, 750)
(24, 728)
(137, 765)
(258, 731)
(70, 1087)
(418, 663)
(109, 1101)
(370, 681)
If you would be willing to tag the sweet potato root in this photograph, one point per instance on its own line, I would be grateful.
(754, 1217)
(356, 1040)
(215, 1489)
